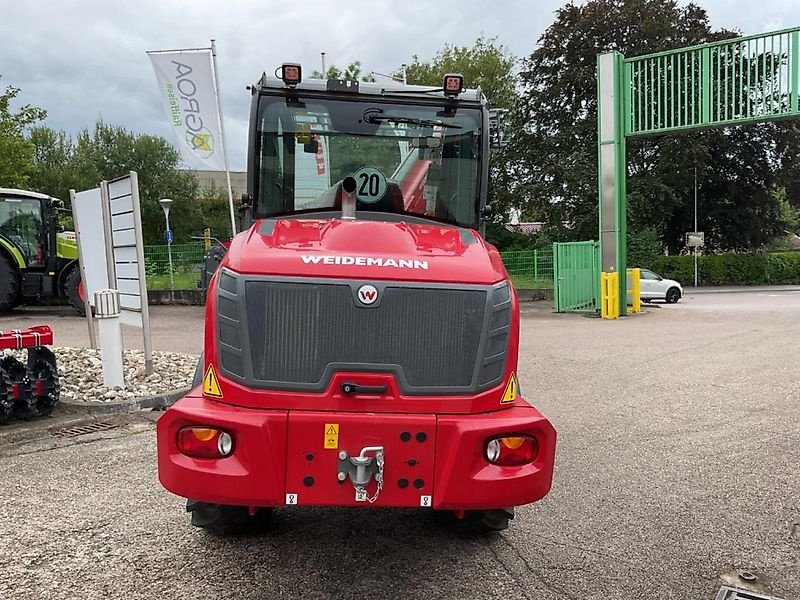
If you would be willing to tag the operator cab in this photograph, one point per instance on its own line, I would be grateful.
(401, 152)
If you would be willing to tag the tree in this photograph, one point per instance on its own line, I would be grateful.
(485, 64)
(489, 65)
(554, 138)
(351, 73)
(16, 152)
(109, 152)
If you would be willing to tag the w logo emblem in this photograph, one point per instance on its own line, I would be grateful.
(367, 294)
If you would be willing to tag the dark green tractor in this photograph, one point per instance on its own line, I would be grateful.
(38, 261)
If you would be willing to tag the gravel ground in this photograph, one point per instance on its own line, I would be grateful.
(80, 371)
(676, 467)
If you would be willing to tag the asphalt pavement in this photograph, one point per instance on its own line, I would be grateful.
(676, 469)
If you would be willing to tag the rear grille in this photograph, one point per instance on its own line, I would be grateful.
(296, 334)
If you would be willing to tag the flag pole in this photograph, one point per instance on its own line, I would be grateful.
(222, 132)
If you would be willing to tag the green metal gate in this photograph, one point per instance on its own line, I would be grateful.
(739, 80)
(576, 276)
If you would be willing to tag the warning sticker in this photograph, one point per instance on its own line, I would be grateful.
(510, 393)
(211, 383)
(331, 439)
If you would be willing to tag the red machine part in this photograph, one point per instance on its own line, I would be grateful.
(39, 335)
(28, 390)
(291, 457)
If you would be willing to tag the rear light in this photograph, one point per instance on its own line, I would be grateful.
(512, 450)
(453, 84)
(291, 74)
(204, 442)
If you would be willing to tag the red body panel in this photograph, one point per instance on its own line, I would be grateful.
(451, 255)
(272, 450)
(279, 436)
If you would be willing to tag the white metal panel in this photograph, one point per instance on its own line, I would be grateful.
(88, 215)
(119, 188)
(121, 205)
(124, 237)
(130, 303)
(128, 286)
(127, 270)
(122, 221)
(125, 255)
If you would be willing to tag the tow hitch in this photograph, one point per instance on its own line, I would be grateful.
(361, 469)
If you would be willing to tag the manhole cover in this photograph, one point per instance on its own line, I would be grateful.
(83, 429)
(729, 593)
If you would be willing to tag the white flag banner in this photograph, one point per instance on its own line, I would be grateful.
(186, 84)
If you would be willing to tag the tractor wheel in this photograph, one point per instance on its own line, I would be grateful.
(6, 398)
(24, 402)
(476, 521)
(73, 288)
(9, 284)
(45, 384)
(222, 520)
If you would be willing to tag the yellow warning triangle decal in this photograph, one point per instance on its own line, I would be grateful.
(211, 384)
(510, 393)
(331, 430)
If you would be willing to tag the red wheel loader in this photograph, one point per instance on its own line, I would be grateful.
(361, 338)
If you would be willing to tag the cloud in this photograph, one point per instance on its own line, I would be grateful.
(85, 60)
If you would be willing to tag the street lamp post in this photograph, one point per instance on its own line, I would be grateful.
(165, 204)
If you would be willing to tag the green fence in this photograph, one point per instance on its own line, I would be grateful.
(577, 276)
(187, 260)
(530, 269)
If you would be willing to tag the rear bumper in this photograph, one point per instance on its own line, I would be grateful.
(278, 453)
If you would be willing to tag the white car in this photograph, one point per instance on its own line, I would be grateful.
(654, 287)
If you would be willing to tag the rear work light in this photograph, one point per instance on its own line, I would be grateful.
(291, 74)
(512, 450)
(204, 442)
(453, 84)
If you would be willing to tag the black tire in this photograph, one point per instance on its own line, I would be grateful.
(476, 521)
(9, 284)
(222, 520)
(673, 295)
(72, 291)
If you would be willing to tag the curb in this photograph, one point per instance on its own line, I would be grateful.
(159, 402)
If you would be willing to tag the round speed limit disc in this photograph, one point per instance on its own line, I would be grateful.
(370, 184)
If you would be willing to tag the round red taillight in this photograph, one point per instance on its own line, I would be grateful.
(204, 442)
(512, 450)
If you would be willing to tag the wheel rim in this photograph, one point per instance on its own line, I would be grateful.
(81, 295)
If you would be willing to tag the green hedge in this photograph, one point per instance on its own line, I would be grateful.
(777, 268)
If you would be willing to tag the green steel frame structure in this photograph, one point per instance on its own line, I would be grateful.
(740, 80)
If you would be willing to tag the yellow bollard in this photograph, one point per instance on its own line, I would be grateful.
(635, 290)
(609, 289)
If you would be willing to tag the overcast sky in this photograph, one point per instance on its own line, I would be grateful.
(85, 59)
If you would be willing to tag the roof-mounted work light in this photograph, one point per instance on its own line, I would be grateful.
(453, 84)
(291, 74)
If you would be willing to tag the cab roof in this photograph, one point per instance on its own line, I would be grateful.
(25, 193)
(365, 88)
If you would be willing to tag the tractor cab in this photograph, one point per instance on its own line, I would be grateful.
(408, 151)
(36, 256)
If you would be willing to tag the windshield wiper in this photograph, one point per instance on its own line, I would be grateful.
(375, 117)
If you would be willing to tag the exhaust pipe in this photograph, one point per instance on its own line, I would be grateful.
(349, 198)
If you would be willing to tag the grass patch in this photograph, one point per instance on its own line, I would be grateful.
(183, 281)
(528, 282)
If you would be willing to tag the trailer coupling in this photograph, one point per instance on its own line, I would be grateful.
(361, 469)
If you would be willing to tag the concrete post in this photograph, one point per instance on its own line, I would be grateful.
(107, 314)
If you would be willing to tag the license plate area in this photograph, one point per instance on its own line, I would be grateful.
(316, 440)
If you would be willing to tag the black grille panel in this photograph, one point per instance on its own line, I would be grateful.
(296, 330)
